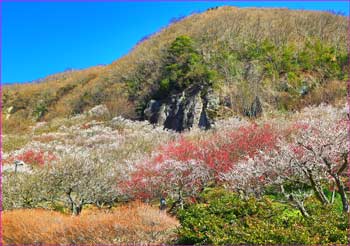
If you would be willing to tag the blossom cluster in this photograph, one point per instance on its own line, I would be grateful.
(309, 147)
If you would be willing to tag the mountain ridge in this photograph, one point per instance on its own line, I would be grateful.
(223, 37)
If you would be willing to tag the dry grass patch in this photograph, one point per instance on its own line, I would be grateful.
(14, 142)
(134, 223)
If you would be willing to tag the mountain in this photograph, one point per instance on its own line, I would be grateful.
(225, 61)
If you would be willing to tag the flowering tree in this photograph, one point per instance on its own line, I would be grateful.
(221, 151)
(224, 150)
(75, 181)
(321, 151)
(169, 177)
(316, 152)
(31, 157)
(77, 165)
(22, 190)
(184, 167)
(79, 181)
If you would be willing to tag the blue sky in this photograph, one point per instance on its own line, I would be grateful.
(42, 38)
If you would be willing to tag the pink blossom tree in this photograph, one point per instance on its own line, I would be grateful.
(316, 153)
(169, 177)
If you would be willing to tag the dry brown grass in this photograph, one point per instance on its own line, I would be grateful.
(134, 223)
(330, 92)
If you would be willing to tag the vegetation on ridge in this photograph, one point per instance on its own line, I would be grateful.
(289, 59)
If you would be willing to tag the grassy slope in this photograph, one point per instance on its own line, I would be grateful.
(225, 28)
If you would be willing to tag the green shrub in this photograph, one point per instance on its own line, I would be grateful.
(78, 105)
(40, 110)
(183, 67)
(318, 56)
(227, 219)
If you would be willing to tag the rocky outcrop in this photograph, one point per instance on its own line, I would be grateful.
(98, 111)
(255, 110)
(191, 108)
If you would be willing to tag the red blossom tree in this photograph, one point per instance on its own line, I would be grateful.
(184, 167)
(32, 157)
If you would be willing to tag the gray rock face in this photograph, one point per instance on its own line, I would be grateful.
(255, 109)
(183, 111)
(153, 112)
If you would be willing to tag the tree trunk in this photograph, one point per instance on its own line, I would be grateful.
(74, 207)
(338, 182)
(333, 196)
(342, 193)
(77, 209)
(299, 204)
(181, 200)
(317, 189)
(301, 208)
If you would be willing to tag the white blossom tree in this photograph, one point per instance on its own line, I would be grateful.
(78, 181)
(316, 153)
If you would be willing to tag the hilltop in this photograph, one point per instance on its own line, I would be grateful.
(246, 61)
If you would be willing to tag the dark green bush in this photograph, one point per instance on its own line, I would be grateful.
(62, 91)
(227, 219)
(183, 67)
(39, 110)
(79, 104)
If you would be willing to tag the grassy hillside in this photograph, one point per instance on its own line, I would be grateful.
(287, 58)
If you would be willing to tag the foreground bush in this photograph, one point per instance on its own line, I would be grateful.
(136, 223)
(227, 219)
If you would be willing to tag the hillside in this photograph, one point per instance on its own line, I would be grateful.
(226, 127)
(284, 59)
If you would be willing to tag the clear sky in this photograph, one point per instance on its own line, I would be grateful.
(42, 38)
